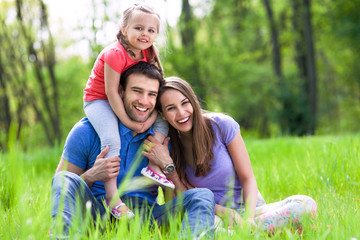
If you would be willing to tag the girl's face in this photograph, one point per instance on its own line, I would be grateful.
(177, 110)
(141, 30)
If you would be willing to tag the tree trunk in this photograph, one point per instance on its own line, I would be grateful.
(276, 49)
(45, 105)
(311, 66)
(5, 116)
(49, 53)
(305, 60)
(188, 33)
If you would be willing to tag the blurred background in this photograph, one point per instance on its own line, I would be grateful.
(278, 67)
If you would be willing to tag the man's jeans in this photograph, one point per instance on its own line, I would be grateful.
(72, 198)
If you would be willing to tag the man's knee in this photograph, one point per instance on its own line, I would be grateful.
(64, 178)
(66, 182)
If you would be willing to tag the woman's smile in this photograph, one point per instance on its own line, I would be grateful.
(184, 120)
(177, 110)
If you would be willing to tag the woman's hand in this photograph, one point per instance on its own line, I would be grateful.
(232, 217)
(156, 152)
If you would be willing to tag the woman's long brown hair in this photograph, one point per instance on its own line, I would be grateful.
(202, 131)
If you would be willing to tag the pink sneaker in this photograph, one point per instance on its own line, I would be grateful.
(160, 180)
(120, 214)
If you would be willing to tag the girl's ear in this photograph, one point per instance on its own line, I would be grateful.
(123, 30)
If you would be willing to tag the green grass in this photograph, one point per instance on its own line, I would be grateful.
(325, 168)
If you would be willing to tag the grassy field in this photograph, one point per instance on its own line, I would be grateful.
(325, 168)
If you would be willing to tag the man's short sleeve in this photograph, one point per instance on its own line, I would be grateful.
(82, 145)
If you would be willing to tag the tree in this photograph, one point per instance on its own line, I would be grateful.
(276, 48)
(305, 60)
(28, 74)
(185, 59)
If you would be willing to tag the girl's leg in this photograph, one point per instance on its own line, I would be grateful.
(106, 125)
(273, 216)
(153, 171)
(156, 169)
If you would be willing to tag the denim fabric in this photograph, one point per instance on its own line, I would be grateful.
(70, 194)
(196, 204)
(82, 146)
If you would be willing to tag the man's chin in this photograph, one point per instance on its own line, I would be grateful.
(140, 119)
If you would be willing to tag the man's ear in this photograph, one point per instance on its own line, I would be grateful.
(121, 91)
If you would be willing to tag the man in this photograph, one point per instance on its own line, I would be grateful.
(86, 168)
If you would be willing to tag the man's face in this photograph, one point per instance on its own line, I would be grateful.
(139, 97)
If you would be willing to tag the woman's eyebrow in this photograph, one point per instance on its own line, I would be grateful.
(171, 104)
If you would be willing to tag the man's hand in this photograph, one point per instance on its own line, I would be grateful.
(157, 152)
(103, 170)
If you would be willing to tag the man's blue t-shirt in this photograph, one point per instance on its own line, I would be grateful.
(83, 145)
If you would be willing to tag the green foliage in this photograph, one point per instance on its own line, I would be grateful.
(232, 57)
(228, 62)
(325, 168)
(73, 75)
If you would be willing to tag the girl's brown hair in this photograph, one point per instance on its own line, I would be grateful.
(152, 54)
(202, 131)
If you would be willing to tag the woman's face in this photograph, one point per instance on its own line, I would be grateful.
(177, 110)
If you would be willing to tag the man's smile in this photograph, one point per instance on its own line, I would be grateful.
(141, 109)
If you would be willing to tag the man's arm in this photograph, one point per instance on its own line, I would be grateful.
(103, 169)
(68, 166)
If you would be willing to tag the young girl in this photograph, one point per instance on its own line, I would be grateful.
(103, 104)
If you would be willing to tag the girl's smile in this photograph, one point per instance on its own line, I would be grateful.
(141, 30)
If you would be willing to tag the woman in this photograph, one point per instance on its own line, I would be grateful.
(208, 151)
